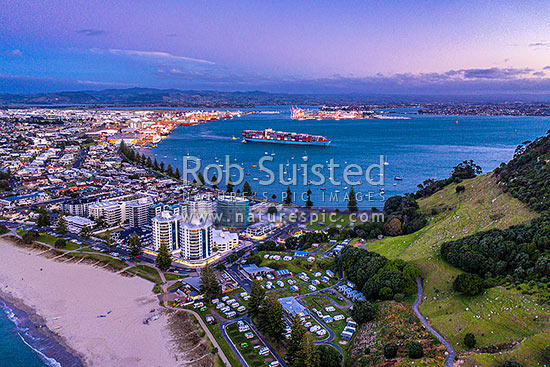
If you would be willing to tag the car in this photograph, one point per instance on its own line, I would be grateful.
(244, 345)
(274, 364)
(203, 308)
(249, 335)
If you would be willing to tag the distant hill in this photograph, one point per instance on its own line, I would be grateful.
(151, 97)
(169, 98)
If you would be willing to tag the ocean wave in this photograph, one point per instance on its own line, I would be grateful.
(28, 337)
(51, 362)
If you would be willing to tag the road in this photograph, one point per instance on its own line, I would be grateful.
(419, 295)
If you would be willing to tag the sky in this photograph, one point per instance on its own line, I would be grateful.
(292, 46)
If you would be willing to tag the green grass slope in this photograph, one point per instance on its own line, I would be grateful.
(497, 316)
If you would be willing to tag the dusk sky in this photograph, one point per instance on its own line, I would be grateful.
(421, 46)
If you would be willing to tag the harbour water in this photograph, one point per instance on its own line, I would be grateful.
(415, 149)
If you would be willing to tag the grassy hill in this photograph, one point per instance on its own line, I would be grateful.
(499, 315)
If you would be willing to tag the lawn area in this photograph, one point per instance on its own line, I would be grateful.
(499, 315)
(118, 264)
(146, 272)
(249, 353)
(296, 265)
(173, 276)
(319, 303)
(341, 220)
(50, 240)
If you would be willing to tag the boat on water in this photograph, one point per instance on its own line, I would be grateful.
(281, 137)
(233, 137)
(398, 178)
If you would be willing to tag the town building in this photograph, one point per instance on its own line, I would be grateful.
(224, 241)
(232, 211)
(75, 224)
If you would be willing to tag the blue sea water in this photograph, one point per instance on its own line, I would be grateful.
(14, 352)
(415, 149)
(23, 344)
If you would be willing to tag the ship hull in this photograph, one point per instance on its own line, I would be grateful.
(287, 142)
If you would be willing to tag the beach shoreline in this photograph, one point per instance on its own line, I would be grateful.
(94, 316)
(50, 346)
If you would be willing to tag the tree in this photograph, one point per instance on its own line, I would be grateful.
(177, 174)
(30, 237)
(329, 356)
(296, 336)
(43, 218)
(61, 225)
(170, 171)
(468, 284)
(288, 197)
(270, 318)
(215, 182)
(60, 243)
(229, 186)
(110, 243)
(390, 350)
(257, 295)
(309, 203)
(460, 189)
(470, 340)
(511, 363)
(308, 355)
(247, 189)
(363, 311)
(135, 245)
(210, 286)
(156, 165)
(200, 179)
(161, 166)
(415, 350)
(352, 201)
(164, 258)
(86, 233)
(272, 210)
(545, 355)
(149, 162)
(465, 170)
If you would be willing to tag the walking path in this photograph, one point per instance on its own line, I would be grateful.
(449, 362)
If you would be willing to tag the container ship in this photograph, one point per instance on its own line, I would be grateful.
(281, 137)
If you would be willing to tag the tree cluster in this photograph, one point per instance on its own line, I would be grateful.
(521, 252)
(462, 171)
(365, 230)
(266, 311)
(376, 276)
(402, 216)
(142, 160)
(305, 240)
(527, 175)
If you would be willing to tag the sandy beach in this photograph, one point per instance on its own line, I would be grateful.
(69, 297)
